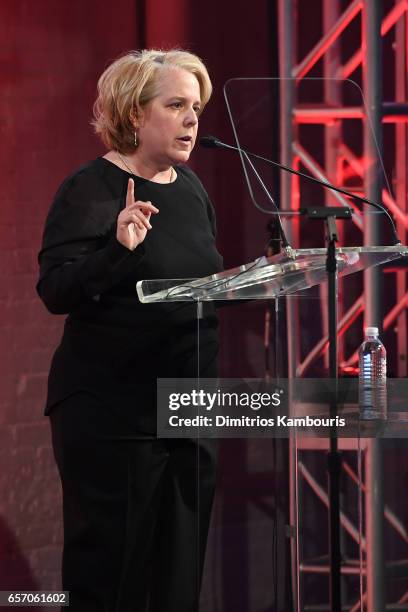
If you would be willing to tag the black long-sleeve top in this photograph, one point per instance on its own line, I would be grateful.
(86, 273)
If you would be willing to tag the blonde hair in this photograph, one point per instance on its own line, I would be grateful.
(130, 83)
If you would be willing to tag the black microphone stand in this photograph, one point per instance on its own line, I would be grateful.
(333, 458)
(329, 214)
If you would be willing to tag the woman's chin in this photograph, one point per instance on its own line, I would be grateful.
(181, 157)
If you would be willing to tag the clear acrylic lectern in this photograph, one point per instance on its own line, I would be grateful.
(286, 276)
(268, 277)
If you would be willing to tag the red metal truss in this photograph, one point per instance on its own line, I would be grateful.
(354, 168)
(350, 165)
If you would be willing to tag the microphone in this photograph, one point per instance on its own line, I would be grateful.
(211, 142)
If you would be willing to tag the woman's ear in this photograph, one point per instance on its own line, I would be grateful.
(137, 117)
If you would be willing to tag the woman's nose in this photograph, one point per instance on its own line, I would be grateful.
(191, 117)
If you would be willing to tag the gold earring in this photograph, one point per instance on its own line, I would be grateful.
(135, 139)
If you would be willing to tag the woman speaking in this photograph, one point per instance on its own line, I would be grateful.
(136, 508)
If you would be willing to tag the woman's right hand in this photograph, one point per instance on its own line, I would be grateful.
(134, 220)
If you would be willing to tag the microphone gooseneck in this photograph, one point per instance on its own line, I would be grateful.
(212, 142)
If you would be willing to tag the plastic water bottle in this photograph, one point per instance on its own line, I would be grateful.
(373, 376)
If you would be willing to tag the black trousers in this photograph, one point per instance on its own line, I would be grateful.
(136, 508)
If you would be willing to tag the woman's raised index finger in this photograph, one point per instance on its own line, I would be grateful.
(130, 196)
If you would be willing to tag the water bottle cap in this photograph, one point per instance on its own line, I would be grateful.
(371, 331)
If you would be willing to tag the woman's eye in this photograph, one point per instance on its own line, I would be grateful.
(176, 104)
(197, 110)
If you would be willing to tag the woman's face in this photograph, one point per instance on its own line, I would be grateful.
(167, 125)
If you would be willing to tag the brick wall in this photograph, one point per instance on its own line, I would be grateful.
(51, 55)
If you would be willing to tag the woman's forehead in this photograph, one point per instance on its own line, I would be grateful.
(177, 82)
